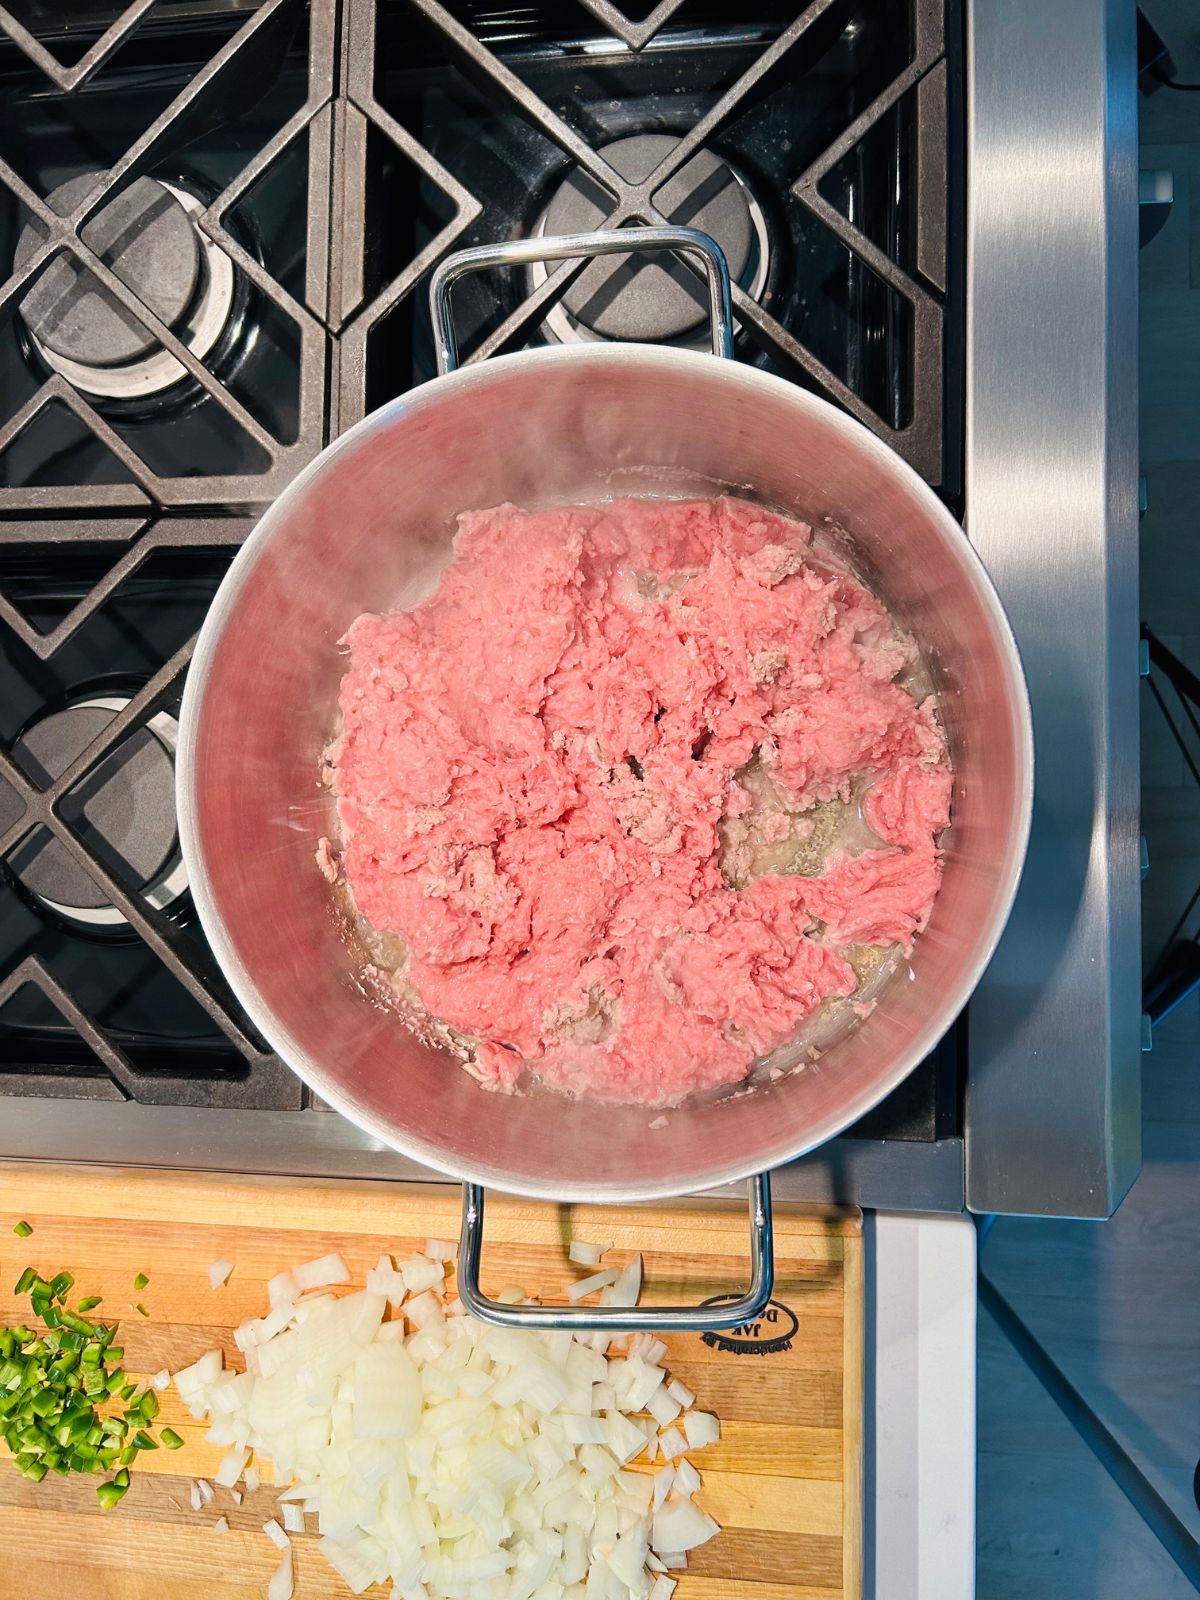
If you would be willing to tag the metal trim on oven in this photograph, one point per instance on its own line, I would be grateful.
(1054, 1086)
(914, 1175)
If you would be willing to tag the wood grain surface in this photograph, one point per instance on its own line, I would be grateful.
(785, 1481)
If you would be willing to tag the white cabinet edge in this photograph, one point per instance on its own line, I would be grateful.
(920, 1407)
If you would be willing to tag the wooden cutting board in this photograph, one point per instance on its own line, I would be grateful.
(784, 1482)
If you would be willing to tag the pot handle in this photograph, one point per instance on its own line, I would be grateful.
(609, 1319)
(620, 1319)
(607, 242)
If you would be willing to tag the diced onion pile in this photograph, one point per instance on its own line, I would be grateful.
(461, 1462)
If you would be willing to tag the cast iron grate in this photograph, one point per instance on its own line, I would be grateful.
(217, 111)
(332, 155)
(835, 114)
(106, 986)
(119, 511)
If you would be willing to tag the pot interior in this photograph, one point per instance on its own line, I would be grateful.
(369, 527)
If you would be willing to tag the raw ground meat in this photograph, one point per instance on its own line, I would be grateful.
(553, 775)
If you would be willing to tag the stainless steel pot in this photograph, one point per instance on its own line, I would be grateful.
(368, 527)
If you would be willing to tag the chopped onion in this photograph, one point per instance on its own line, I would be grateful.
(681, 1525)
(627, 1558)
(652, 1351)
(662, 1408)
(702, 1428)
(586, 1255)
(194, 1492)
(220, 1525)
(282, 1289)
(427, 1345)
(385, 1280)
(161, 1380)
(387, 1393)
(663, 1589)
(420, 1273)
(584, 1430)
(672, 1443)
(218, 1272)
(440, 1249)
(281, 1584)
(199, 1374)
(232, 1392)
(236, 1496)
(345, 1564)
(628, 1287)
(322, 1272)
(230, 1470)
(681, 1392)
(625, 1439)
(450, 1458)
(276, 1534)
(637, 1382)
(424, 1308)
(598, 1280)
(223, 1431)
(205, 1491)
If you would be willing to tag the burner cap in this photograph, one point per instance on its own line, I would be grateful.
(126, 807)
(147, 238)
(639, 297)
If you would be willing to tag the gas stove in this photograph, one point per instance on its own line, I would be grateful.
(218, 221)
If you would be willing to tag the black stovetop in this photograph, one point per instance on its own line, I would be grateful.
(220, 219)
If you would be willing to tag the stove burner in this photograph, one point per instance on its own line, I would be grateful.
(128, 810)
(145, 236)
(148, 236)
(659, 299)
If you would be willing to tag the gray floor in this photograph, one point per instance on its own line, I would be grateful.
(1118, 1307)
(1118, 1304)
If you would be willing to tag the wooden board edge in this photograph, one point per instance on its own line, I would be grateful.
(853, 1399)
(48, 1180)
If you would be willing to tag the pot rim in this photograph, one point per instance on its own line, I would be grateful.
(701, 367)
